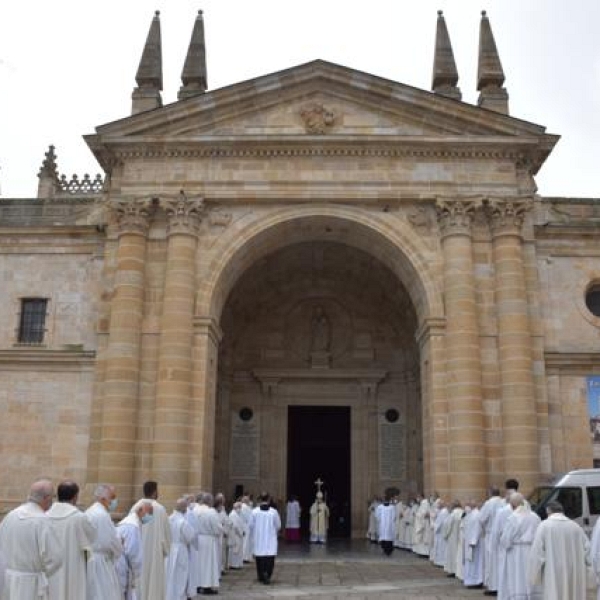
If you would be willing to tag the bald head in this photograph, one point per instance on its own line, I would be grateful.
(516, 500)
(181, 505)
(41, 493)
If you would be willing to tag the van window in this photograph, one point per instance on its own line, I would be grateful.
(570, 498)
(593, 494)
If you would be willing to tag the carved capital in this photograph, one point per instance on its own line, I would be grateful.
(456, 216)
(184, 214)
(506, 216)
(133, 215)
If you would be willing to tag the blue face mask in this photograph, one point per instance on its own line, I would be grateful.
(113, 505)
(147, 519)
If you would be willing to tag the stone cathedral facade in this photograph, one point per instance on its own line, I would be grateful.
(316, 273)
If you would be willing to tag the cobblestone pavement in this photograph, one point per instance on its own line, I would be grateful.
(348, 571)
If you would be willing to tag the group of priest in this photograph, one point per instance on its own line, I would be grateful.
(500, 546)
(51, 550)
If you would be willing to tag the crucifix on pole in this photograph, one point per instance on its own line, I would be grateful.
(319, 483)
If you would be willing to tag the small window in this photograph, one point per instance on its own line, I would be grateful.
(593, 494)
(33, 320)
(592, 299)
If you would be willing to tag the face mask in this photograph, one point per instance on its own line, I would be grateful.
(113, 505)
(147, 519)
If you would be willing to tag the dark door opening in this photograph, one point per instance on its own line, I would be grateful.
(319, 446)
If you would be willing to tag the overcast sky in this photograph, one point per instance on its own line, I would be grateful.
(67, 66)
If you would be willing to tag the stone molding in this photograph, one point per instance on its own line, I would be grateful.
(184, 214)
(208, 326)
(507, 215)
(575, 363)
(455, 217)
(133, 215)
(432, 326)
(39, 358)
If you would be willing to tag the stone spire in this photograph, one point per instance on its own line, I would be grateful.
(445, 75)
(490, 75)
(48, 175)
(149, 74)
(193, 75)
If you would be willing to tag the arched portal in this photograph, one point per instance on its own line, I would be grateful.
(319, 309)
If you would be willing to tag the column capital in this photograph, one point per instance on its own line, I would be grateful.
(506, 215)
(456, 216)
(132, 214)
(184, 214)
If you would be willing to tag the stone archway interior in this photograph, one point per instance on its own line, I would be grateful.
(319, 324)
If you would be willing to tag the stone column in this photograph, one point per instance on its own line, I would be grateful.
(467, 468)
(519, 419)
(122, 365)
(207, 336)
(170, 451)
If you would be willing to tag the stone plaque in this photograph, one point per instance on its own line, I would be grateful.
(244, 448)
(391, 449)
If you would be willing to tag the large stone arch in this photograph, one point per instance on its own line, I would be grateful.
(385, 237)
(394, 242)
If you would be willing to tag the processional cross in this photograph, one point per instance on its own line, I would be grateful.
(319, 483)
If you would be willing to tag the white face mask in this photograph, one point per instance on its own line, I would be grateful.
(147, 519)
(113, 505)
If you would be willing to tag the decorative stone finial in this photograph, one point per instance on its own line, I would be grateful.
(490, 75)
(193, 75)
(445, 74)
(149, 74)
(48, 175)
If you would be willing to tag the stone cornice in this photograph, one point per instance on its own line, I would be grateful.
(30, 357)
(581, 363)
(451, 147)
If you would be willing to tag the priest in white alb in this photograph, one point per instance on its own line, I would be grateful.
(76, 534)
(420, 545)
(487, 516)
(386, 517)
(451, 533)
(30, 547)
(210, 530)
(129, 564)
(156, 541)
(559, 557)
(516, 539)
(178, 561)
(235, 541)
(473, 548)
(102, 579)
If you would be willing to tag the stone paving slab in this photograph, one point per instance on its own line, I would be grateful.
(354, 572)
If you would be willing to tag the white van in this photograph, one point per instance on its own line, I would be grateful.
(578, 492)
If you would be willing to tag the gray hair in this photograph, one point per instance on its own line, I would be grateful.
(103, 491)
(516, 499)
(181, 505)
(40, 490)
(207, 498)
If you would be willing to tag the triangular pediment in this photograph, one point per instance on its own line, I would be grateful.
(314, 99)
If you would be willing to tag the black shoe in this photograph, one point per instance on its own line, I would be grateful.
(479, 586)
(451, 575)
(490, 593)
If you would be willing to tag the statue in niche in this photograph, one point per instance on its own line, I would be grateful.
(320, 338)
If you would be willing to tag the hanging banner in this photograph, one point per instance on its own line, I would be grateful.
(593, 398)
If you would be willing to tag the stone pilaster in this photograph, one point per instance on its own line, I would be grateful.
(205, 350)
(122, 365)
(170, 451)
(467, 468)
(519, 420)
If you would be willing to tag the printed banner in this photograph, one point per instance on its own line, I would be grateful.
(593, 397)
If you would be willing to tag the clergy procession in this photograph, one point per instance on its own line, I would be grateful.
(51, 550)
(499, 546)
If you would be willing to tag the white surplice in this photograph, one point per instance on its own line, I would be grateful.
(473, 549)
(265, 525)
(451, 532)
(156, 541)
(292, 515)
(499, 552)
(372, 525)
(235, 542)
(75, 533)
(246, 514)
(595, 555)
(386, 521)
(31, 550)
(487, 517)
(420, 545)
(129, 564)
(516, 539)
(209, 532)
(178, 561)
(102, 579)
(558, 559)
(440, 541)
(191, 518)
